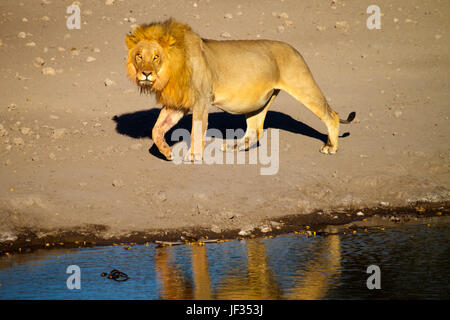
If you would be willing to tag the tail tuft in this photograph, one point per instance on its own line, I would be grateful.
(350, 118)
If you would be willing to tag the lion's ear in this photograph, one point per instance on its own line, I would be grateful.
(130, 41)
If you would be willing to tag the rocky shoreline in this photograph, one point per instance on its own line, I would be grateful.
(316, 223)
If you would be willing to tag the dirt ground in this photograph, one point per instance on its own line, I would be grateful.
(75, 134)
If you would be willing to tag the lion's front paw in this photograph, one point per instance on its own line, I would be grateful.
(327, 149)
(193, 157)
(167, 152)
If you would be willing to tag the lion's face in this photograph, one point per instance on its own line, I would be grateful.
(145, 66)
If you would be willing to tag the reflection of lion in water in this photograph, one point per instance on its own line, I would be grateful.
(187, 73)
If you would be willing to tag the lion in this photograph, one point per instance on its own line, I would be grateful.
(188, 73)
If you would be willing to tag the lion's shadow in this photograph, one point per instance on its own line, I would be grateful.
(139, 125)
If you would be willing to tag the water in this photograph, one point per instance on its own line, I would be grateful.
(414, 262)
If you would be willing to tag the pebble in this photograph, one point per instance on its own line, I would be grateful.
(216, 229)
(398, 114)
(38, 62)
(280, 29)
(3, 131)
(48, 71)
(228, 16)
(52, 156)
(265, 228)
(25, 131)
(225, 35)
(108, 82)
(109, 2)
(283, 15)
(321, 28)
(18, 141)
(118, 183)
(90, 59)
(22, 35)
(246, 231)
(359, 213)
(31, 44)
(58, 133)
(342, 25)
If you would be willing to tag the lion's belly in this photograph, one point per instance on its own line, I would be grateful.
(242, 100)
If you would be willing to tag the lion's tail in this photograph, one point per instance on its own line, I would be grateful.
(350, 118)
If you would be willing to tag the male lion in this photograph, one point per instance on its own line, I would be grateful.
(186, 73)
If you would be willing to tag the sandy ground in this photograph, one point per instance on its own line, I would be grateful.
(75, 135)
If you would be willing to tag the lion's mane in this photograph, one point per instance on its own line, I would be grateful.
(178, 92)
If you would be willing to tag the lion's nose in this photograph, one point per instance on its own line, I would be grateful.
(147, 73)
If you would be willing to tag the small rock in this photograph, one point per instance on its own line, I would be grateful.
(18, 141)
(45, 18)
(118, 183)
(384, 204)
(161, 196)
(321, 28)
(22, 35)
(265, 228)
(228, 16)
(109, 2)
(58, 133)
(25, 131)
(438, 36)
(276, 225)
(246, 231)
(108, 82)
(3, 131)
(39, 62)
(52, 156)
(283, 15)
(225, 35)
(31, 44)
(280, 29)
(359, 213)
(342, 25)
(90, 59)
(398, 114)
(48, 71)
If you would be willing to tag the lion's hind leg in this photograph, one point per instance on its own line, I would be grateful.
(303, 87)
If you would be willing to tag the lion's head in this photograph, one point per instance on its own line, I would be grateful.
(157, 62)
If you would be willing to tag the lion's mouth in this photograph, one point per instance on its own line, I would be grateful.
(145, 86)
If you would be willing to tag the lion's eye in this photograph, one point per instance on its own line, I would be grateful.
(156, 57)
(138, 57)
